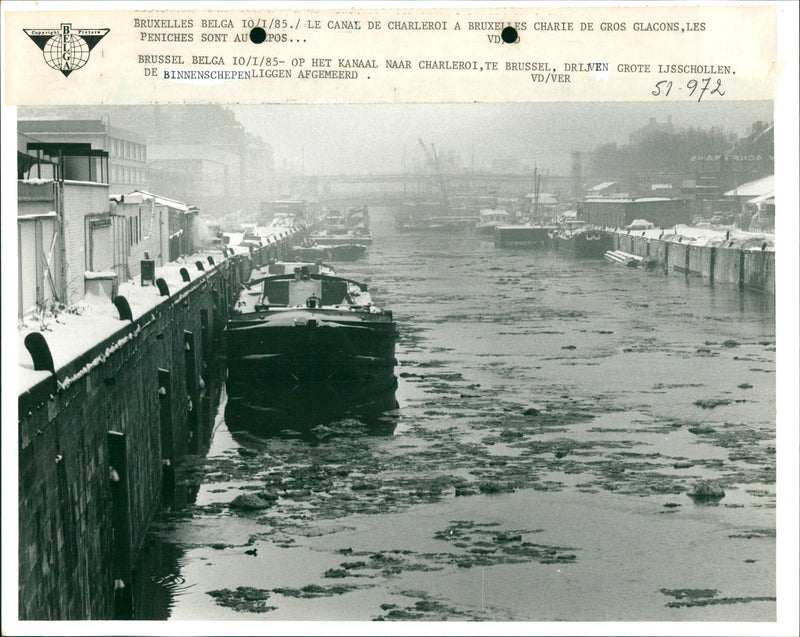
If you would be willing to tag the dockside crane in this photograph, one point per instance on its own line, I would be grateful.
(433, 161)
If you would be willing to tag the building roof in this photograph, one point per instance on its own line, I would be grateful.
(61, 126)
(640, 224)
(604, 186)
(762, 198)
(544, 197)
(627, 199)
(761, 141)
(161, 201)
(75, 126)
(754, 188)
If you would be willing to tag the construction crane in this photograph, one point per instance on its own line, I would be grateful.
(433, 161)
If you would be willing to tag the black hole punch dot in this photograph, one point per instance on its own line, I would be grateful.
(258, 35)
(509, 35)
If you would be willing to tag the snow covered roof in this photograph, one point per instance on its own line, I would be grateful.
(626, 199)
(604, 186)
(754, 188)
(38, 215)
(143, 195)
(544, 197)
(81, 182)
(234, 238)
(35, 181)
(103, 274)
(762, 198)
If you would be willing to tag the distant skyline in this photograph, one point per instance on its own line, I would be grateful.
(382, 138)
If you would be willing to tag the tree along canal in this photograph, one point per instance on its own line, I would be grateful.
(553, 414)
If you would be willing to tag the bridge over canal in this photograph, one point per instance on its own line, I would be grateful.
(389, 188)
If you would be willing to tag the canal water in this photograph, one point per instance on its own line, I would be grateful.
(553, 415)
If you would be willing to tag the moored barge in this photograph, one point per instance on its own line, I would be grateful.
(334, 252)
(307, 331)
(522, 236)
(583, 241)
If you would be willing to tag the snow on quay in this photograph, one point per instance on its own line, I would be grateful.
(72, 331)
(727, 236)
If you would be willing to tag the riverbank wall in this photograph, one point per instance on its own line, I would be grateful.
(726, 263)
(100, 437)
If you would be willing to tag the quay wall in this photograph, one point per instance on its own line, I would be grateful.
(99, 442)
(759, 271)
(724, 264)
(728, 266)
(677, 258)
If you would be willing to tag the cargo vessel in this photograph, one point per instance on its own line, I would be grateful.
(307, 330)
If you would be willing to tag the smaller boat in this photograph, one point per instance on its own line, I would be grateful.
(489, 219)
(425, 225)
(288, 267)
(341, 229)
(282, 225)
(435, 224)
(524, 235)
(426, 216)
(335, 252)
(581, 240)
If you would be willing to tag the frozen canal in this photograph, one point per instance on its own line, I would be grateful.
(553, 414)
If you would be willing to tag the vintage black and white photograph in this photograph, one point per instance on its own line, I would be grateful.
(398, 362)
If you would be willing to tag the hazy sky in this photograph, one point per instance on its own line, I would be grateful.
(348, 138)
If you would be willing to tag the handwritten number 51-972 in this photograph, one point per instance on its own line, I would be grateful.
(696, 87)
